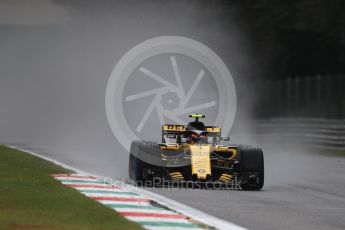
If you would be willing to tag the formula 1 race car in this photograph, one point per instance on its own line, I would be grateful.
(193, 154)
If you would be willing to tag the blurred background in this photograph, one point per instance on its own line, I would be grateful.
(287, 59)
(299, 56)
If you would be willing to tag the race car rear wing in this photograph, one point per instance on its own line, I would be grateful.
(178, 129)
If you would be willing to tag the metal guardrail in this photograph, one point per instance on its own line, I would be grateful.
(319, 133)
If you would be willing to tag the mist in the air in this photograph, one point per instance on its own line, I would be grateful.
(56, 58)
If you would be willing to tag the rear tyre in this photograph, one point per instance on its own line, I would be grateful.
(251, 168)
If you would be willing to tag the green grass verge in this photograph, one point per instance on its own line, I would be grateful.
(31, 199)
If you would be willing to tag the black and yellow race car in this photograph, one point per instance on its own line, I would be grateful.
(193, 155)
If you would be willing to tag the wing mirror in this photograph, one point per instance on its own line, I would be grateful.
(183, 140)
(225, 138)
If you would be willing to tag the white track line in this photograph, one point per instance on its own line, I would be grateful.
(179, 207)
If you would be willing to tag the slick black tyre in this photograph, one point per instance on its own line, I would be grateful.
(135, 170)
(251, 168)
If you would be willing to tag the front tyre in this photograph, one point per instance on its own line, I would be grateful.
(251, 168)
(135, 170)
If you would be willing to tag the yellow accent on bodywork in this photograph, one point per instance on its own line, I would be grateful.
(224, 148)
(201, 161)
(177, 176)
(225, 177)
(213, 129)
(196, 115)
(176, 128)
(170, 146)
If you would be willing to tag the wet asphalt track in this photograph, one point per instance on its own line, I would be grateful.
(302, 191)
(276, 207)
